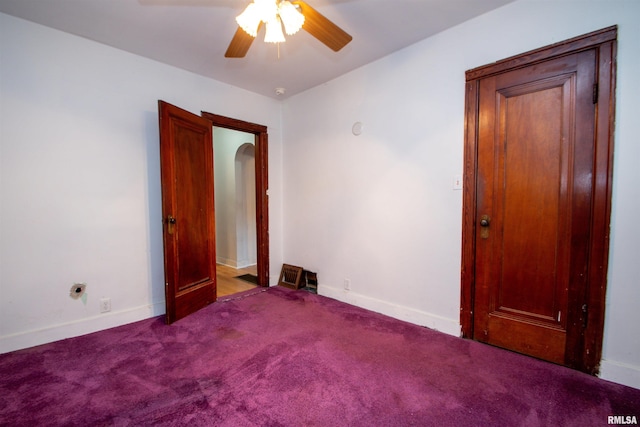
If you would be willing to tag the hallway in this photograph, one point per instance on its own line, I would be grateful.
(228, 284)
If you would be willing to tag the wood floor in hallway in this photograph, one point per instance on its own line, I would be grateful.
(227, 282)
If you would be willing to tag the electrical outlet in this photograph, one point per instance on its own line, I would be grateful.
(347, 284)
(105, 305)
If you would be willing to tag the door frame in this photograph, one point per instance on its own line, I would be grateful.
(262, 186)
(604, 42)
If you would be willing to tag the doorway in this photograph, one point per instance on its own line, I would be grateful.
(256, 136)
(537, 197)
(188, 208)
(235, 206)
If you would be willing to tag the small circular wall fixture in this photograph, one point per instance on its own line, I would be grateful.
(280, 91)
(356, 129)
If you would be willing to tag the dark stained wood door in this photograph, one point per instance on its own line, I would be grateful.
(186, 160)
(535, 163)
(539, 171)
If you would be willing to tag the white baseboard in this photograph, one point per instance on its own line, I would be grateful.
(234, 263)
(227, 261)
(417, 317)
(79, 327)
(245, 263)
(620, 373)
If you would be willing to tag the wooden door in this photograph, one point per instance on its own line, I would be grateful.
(186, 160)
(537, 206)
(535, 156)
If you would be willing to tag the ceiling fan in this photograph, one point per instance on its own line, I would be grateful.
(273, 14)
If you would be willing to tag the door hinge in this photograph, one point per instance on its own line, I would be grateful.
(585, 315)
(595, 93)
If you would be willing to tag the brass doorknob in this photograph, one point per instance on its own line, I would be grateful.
(484, 223)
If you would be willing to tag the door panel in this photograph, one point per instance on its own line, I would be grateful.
(537, 185)
(534, 182)
(186, 154)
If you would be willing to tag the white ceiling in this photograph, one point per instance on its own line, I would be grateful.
(194, 34)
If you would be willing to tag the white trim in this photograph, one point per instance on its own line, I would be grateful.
(227, 261)
(407, 314)
(246, 264)
(620, 373)
(79, 327)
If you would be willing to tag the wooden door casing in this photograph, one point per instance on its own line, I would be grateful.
(261, 139)
(579, 241)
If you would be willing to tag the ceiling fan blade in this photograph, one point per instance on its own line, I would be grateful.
(321, 28)
(240, 44)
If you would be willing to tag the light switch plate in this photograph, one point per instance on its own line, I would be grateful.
(457, 182)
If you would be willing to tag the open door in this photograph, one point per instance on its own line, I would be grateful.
(186, 166)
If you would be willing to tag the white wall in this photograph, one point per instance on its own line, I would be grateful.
(231, 234)
(379, 208)
(80, 179)
(246, 214)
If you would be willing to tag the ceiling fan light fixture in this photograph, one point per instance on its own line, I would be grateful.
(273, 32)
(274, 14)
(291, 17)
(249, 19)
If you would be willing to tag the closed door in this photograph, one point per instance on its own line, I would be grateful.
(534, 197)
(535, 207)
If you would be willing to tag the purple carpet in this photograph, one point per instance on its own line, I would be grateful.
(280, 357)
